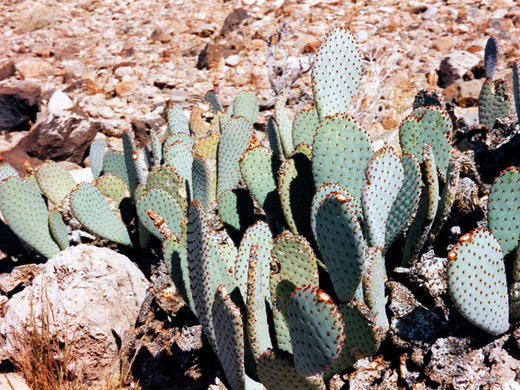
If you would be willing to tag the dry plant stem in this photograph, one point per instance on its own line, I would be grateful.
(288, 78)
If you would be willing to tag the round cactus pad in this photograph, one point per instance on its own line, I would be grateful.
(477, 281)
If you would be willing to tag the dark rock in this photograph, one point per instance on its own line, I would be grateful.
(64, 137)
(233, 20)
(457, 66)
(18, 107)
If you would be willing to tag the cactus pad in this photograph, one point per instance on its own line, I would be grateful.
(258, 168)
(58, 229)
(276, 371)
(246, 105)
(235, 139)
(92, 210)
(504, 210)
(341, 243)
(385, 177)
(336, 73)
(340, 154)
(113, 187)
(405, 206)
(164, 205)
(316, 330)
(373, 283)
(167, 179)
(6, 171)
(54, 181)
(304, 126)
(491, 56)
(284, 124)
(207, 146)
(177, 122)
(98, 148)
(212, 98)
(26, 214)
(428, 125)
(117, 164)
(293, 265)
(477, 281)
(202, 179)
(516, 87)
(179, 156)
(494, 102)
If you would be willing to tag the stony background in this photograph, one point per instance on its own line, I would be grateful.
(76, 70)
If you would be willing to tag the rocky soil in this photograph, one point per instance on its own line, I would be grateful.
(74, 71)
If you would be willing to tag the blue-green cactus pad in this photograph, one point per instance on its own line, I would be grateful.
(177, 121)
(58, 229)
(98, 148)
(284, 124)
(336, 73)
(316, 330)
(6, 171)
(340, 153)
(26, 214)
(54, 181)
(246, 105)
(476, 279)
(92, 210)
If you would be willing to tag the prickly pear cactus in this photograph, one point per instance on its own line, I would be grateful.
(316, 330)
(340, 153)
(428, 125)
(246, 105)
(477, 281)
(98, 148)
(425, 98)
(284, 124)
(26, 214)
(494, 102)
(491, 56)
(92, 210)
(6, 171)
(304, 126)
(58, 229)
(54, 181)
(385, 177)
(336, 73)
(504, 210)
(516, 88)
(276, 371)
(177, 121)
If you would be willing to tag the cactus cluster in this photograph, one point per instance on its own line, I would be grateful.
(298, 292)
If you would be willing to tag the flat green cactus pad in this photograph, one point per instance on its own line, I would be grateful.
(336, 73)
(477, 281)
(113, 187)
(385, 178)
(166, 178)
(258, 234)
(236, 211)
(373, 283)
(54, 181)
(98, 148)
(58, 229)
(117, 164)
(341, 243)
(212, 98)
(296, 190)
(26, 214)
(494, 102)
(316, 330)
(258, 167)
(177, 121)
(284, 124)
(6, 171)
(276, 371)
(405, 206)
(202, 179)
(304, 126)
(178, 155)
(229, 333)
(516, 87)
(207, 146)
(504, 210)
(155, 148)
(207, 269)
(428, 125)
(293, 265)
(257, 295)
(340, 154)
(183, 137)
(362, 336)
(274, 138)
(92, 210)
(246, 105)
(235, 139)
(491, 56)
(164, 205)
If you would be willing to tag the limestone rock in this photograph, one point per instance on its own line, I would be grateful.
(455, 66)
(30, 69)
(90, 294)
(58, 102)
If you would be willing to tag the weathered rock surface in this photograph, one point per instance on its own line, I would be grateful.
(456, 66)
(91, 295)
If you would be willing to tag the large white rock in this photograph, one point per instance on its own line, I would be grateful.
(59, 102)
(91, 295)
